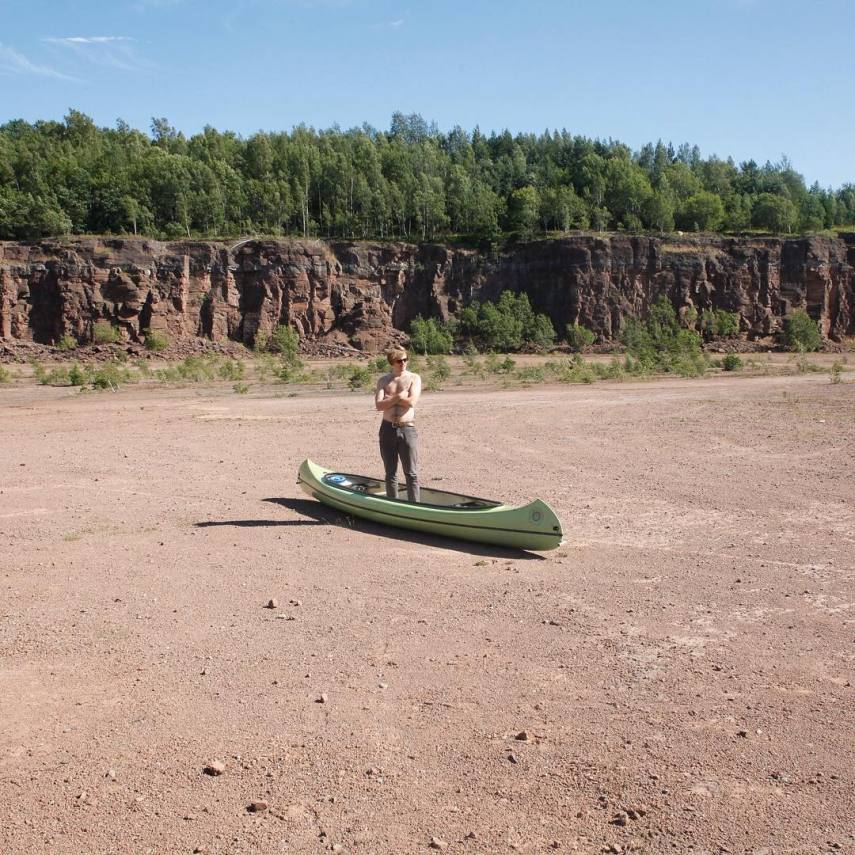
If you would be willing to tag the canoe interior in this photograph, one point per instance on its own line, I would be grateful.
(435, 498)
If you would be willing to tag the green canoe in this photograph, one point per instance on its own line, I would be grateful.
(531, 526)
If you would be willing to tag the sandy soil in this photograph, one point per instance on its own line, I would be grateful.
(678, 676)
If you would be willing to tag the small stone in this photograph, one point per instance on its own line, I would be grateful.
(295, 602)
(742, 733)
(337, 847)
(272, 604)
(438, 843)
(215, 767)
(522, 736)
(383, 685)
(471, 836)
(257, 806)
(322, 698)
(512, 758)
(619, 818)
(555, 844)
(111, 774)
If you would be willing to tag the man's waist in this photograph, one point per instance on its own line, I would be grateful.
(398, 424)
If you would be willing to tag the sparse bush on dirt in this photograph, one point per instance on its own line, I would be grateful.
(76, 375)
(5, 375)
(731, 362)
(360, 377)
(232, 369)
(240, 388)
(109, 375)
(531, 374)
(835, 371)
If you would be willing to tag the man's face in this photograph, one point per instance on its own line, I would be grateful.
(399, 363)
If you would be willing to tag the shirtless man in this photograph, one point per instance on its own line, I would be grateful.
(396, 395)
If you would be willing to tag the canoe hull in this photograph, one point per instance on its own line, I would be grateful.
(533, 526)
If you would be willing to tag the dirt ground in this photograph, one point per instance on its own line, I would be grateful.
(677, 677)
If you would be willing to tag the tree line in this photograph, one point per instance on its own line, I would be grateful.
(411, 183)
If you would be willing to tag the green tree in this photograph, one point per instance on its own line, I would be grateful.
(774, 213)
(702, 212)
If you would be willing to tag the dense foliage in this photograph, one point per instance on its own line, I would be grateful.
(410, 182)
(660, 344)
(801, 332)
(505, 326)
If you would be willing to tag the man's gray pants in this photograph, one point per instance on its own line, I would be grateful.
(400, 442)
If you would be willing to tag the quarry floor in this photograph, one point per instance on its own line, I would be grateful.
(677, 677)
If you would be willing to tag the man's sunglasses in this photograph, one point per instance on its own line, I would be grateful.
(402, 361)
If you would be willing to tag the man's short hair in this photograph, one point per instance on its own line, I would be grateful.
(394, 353)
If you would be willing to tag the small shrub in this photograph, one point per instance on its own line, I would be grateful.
(285, 341)
(578, 337)
(5, 375)
(531, 374)
(110, 375)
(103, 332)
(76, 375)
(439, 367)
(717, 323)
(731, 362)
(803, 364)
(156, 340)
(54, 377)
(429, 336)
(379, 365)
(801, 332)
(260, 344)
(360, 377)
(835, 372)
(232, 369)
(241, 388)
(66, 343)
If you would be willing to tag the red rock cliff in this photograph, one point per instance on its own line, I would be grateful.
(365, 294)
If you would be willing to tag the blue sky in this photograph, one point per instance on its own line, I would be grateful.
(744, 78)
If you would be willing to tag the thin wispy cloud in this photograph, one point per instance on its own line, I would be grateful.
(89, 40)
(106, 51)
(388, 25)
(14, 62)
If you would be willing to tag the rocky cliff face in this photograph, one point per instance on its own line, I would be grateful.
(365, 295)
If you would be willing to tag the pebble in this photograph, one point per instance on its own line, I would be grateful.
(295, 602)
(111, 774)
(322, 698)
(438, 843)
(257, 806)
(272, 604)
(512, 758)
(522, 736)
(215, 767)
(337, 847)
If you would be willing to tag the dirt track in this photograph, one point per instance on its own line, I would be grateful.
(682, 669)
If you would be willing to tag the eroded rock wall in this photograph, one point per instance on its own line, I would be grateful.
(365, 294)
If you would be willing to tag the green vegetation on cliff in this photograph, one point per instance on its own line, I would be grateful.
(410, 182)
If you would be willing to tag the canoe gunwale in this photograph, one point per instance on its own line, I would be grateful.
(489, 504)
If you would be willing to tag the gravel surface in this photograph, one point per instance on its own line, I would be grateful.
(195, 657)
